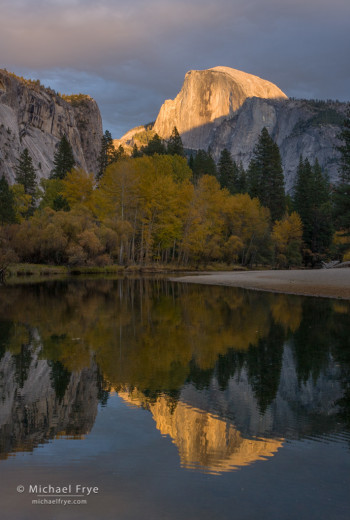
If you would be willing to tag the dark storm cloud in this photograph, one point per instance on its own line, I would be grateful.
(132, 55)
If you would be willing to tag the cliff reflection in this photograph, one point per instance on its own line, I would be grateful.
(204, 441)
(226, 373)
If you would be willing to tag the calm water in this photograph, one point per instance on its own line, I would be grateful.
(175, 401)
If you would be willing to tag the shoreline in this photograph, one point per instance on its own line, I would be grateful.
(325, 283)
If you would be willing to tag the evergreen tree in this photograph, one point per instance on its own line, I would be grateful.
(7, 203)
(136, 152)
(265, 176)
(203, 164)
(341, 196)
(107, 154)
(242, 184)
(312, 203)
(155, 145)
(228, 172)
(25, 173)
(175, 146)
(63, 160)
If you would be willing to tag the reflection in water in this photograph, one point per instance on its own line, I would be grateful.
(205, 441)
(227, 374)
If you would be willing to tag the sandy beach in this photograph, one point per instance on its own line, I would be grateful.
(328, 283)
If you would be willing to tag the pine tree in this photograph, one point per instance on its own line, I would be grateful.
(228, 172)
(175, 146)
(203, 164)
(312, 202)
(63, 159)
(107, 154)
(25, 173)
(341, 196)
(136, 152)
(242, 184)
(7, 203)
(154, 146)
(265, 176)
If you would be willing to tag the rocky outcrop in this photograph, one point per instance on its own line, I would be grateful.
(35, 117)
(225, 108)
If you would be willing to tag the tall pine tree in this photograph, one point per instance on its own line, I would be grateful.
(155, 145)
(25, 173)
(265, 176)
(312, 202)
(7, 203)
(203, 164)
(341, 196)
(228, 172)
(63, 159)
(175, 146)
(242, 184)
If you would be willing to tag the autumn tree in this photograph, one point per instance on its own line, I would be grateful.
(52, 195)
(287, 237)
(77, 188)
(247, 230)
(265, 176)
(63, 159)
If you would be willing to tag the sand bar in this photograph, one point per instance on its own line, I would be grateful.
(329, 283)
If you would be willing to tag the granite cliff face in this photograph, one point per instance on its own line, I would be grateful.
(225, 108)
(35, 117)
(207, 98)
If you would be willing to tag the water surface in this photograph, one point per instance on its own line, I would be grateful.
(175, 401)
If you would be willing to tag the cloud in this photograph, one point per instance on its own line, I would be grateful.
(132, 55)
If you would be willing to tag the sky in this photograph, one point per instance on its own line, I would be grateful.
(131, 55)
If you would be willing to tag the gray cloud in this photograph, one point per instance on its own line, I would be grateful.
(131, 56)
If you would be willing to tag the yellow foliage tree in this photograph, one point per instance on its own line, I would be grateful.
(247, 228)
(22, 201)
(287, 237)
(78, 187)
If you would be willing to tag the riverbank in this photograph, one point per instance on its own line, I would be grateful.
(24, 270)
(327, 283)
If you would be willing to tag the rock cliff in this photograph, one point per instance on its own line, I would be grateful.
(208, 97)
(226, 108)
(35, 117)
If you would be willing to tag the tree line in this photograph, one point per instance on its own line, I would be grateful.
(159, 206)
